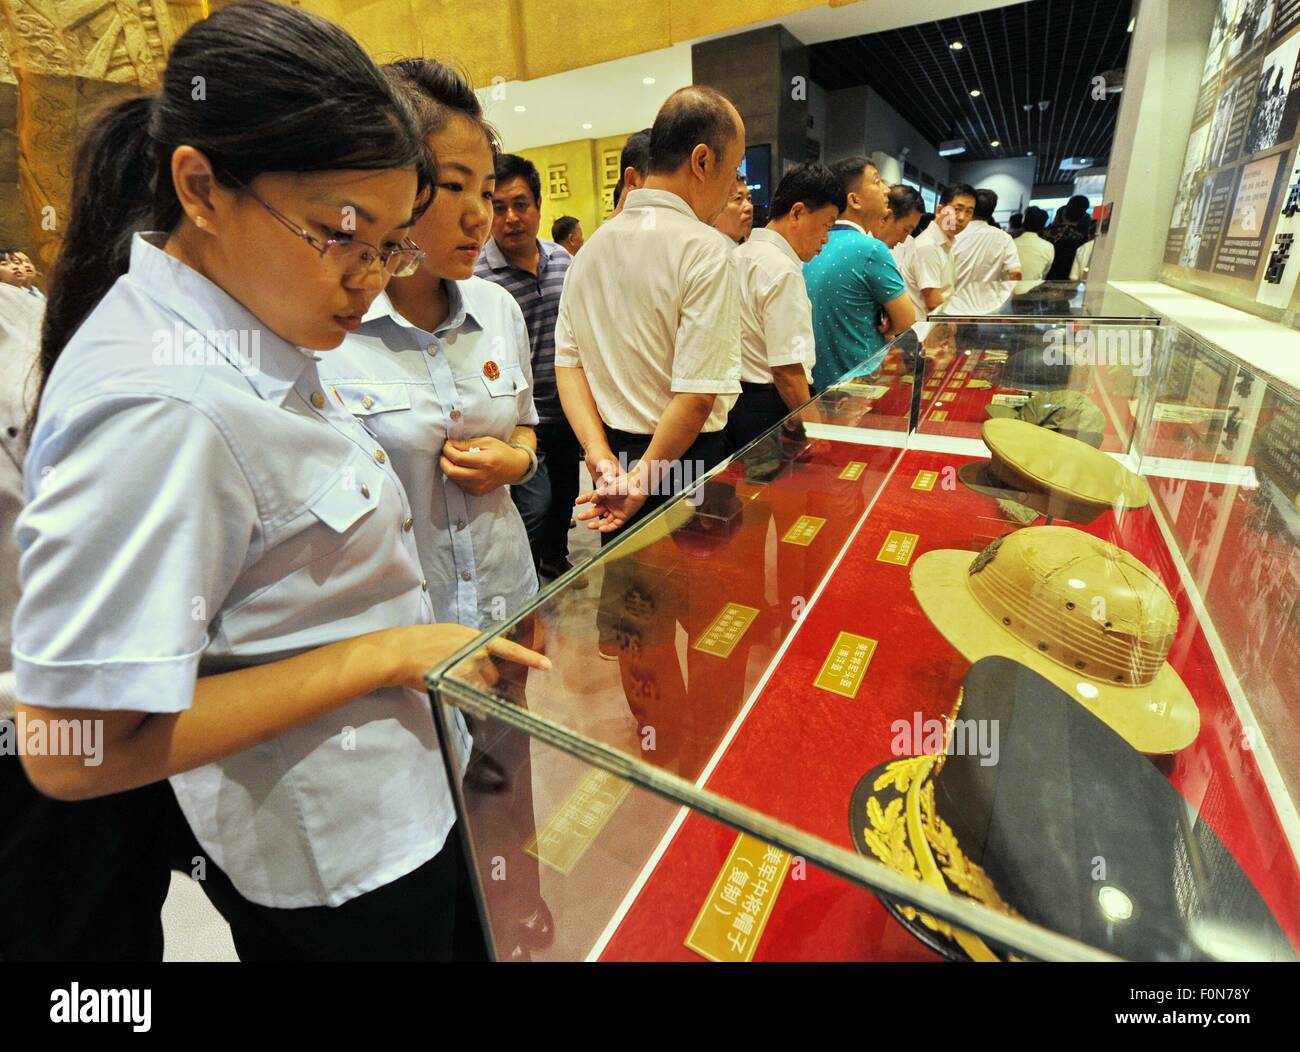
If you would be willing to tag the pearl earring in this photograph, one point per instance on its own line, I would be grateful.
(200, 222)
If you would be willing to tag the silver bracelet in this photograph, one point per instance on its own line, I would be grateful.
(532, 463)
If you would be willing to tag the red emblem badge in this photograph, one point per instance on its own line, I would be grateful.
(490, 370)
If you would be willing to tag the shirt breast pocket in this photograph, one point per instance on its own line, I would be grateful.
(369, 402)
(507, 385)
(352, 494)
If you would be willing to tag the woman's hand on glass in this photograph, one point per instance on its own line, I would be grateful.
(480, 465)
(415, 649)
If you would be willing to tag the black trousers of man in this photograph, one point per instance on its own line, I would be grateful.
(759, 408)
(563, 456)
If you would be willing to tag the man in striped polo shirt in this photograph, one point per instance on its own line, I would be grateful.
(533, 271)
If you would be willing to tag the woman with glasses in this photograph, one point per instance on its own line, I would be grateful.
(217, 563)
(440, 373)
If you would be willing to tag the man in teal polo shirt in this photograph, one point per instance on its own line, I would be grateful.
(853, 278)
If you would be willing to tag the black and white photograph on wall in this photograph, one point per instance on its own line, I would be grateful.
(1250, 28)
(1220, 34)
(1274, 117)
(1193, 162)
(1196, 224)
(1219, 127)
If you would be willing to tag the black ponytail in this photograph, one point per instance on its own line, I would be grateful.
(256, 87)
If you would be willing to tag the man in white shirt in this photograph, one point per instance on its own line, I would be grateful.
(926, 261)
(647, 349)
(776, 320)
(901, 217)
(1036, 252)
(982, 253)
(736, 221)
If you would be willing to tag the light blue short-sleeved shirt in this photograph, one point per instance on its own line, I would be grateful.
(413, 390)
(199, 502)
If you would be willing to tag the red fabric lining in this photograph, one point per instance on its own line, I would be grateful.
(802, 749)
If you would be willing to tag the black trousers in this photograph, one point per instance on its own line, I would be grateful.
(563, 455)
(84, 881)
(704, 453)
(759, 408)
(427, 915)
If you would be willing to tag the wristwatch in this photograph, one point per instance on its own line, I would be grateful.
(532, 464)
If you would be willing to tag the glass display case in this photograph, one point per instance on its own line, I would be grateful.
(1007, 669)
(1012, 301)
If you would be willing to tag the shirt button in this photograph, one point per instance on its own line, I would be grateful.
(380, 456)
(367, 402)
(408, 525)
(318, 400)
(460, 525)
(365, 491)
(455, 414)
(432, 349)
(466, 575)
(424, 584)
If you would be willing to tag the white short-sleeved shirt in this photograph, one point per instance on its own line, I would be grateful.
(982, 254)
(651, 308)
(925, 262)
(1035, 255)
(776, 323)
(199, 502)
(20, 341)
(414, 390)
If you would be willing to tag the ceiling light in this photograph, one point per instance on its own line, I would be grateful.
(521, 109)
(956, 45)
(647, 81)
(975, 93)
(952, 147)
(995, 143)
(587, 126)
(1030, 153)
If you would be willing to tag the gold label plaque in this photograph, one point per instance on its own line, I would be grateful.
(571, 830)
(942, 414)
(925, 480)
(853, 470)
(898, 548)
(804, 530)
(725, 630)
(733, 917)
(846, 664)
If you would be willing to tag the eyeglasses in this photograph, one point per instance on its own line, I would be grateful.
(353, 256)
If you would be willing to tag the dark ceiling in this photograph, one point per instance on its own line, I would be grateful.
(1046, 49)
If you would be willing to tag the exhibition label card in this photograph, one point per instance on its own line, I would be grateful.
(739, 904)
(853, 470)
(899, 548)
(725, 630)
(956, 382)
(571, 830)
(804, 530)
(925, 480)
(846, 664)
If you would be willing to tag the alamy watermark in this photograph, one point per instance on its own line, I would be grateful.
(1093, 346)
(183, 345)
(666, 477)
(23, 737)
(956, 737)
